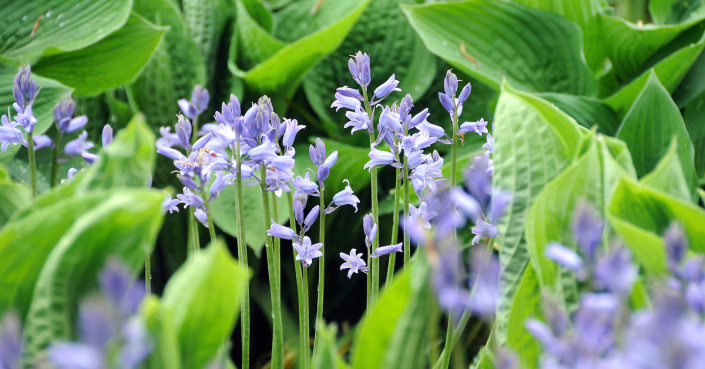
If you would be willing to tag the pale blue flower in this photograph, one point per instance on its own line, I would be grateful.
(24, 88)
(281, 232)
(107, 135)
(306, 252)
(346, 102)
(169, 204)
(311, 218)
(198, 103)
(360, 69)
(305, 185)
(358, 120)
(353, 262)
(483, 230)
(292, 128)
(379, 158)
(79, 145)
(344, 197)
(386, 88)
(564, 256)
(386, 250)
(369, 227)
(478, 127)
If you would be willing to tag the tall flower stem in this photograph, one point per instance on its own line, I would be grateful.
(242, 260)
(32, 166)
(374, 263)
(305, 327)
(303, 339)
(407, 239)
(321, 263)
(395, 227)
(148, 274)
(55, 162)
(211, 227)
(272, 267)
(194, 242)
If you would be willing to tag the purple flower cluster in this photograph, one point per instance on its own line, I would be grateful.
(13, 129)
(111, 334)
(354, 261)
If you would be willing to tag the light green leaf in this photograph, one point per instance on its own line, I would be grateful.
(397, 319)
(49, 94)
(159, 321)
(694, 117)
(326, 353)
(124, 225)
(676, 11)
(616, 163)
(668, 175)
(13, 196)
(403, 55)
(702, 194)
(64, 25)
(649, 126)
(526, 305)
(534, 142)
(204, 296)
(546, 48)
(291, 61)
(112, 62)
(587, 111)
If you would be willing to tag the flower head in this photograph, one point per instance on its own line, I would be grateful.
(307, 251)
(359, 67)
(353, 262)
(344, 197)
(198, 103)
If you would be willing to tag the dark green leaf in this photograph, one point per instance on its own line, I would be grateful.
(676, 11)
(694, 117)
(13, 196)
(587, 111)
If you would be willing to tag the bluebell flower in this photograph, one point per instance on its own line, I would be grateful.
(70, 125)
(379, 158)
(202, 216)
(353, 262)
(170, 204)
(369, 227)
(422, 214)
(264, 152)
(346, 102)
(107, 135)
(414, 159)
(305, 185)
(564, 256)
(79, 145)
(350, 92)
(418, 141)
(220, 182)
(10, 134)
(386, 88)
(184, 131)
(188, 198)
(324, 169)
(427, 175)
(615, 271)
(466, 203)
(358, 120)
(10, 341)
(448, 99)
(299, 204)
(41, 141)
(484, 279)
(281, 232)
(317, 152)
(89, 157)
(483, 230)
(167, 138)
(489, 145)
(306, 252)
(95, 325)
(198, 103)
(63, 116)
(587, 227)
(344, 197)
(71, 173)
(24, 88)
(498, 204)
(478, 127)
(311, 217)
(26, 119)
(676, 245)
(432, 129)
(390, 120)
(386, 250)
(478, 180)
(292, 128)
(277, 181)
(360, 68)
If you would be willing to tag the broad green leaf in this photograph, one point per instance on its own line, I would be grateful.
(670, 71)
(399, 310)
(702, 194)
(403, 55)
(693, 84)
(526, 305)
(534, 142)
(649, 126)
(694, 117)
(204, 297)
(551, 216)
(616, 163)
(668, 175)
(13, 196)
(254, 21)
(326, 354)
(50, 94)
(546, 48)
(173, 70)
(159, 321)
(587, 111)
(634, 48)
(112, 62)
(60, 25)
(584, 13)
(124, 225)
(204, 21)
(291, 61)
(676, 11)
(641, 214)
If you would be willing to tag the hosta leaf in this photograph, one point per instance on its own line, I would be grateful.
(640, 214)
(649, 126)
(616, 163)
(694, 117)
(203, 23)
(676, 11)
(534, 142)
(401, 53)
(124, 225)
(51, 92)
(693, 84)
(13, 196)
(526, 305)
(587, 111)
(670, 71)
(668, 175)
(204, 297)
(113, 61)
(326, 354)
(278, 67)
(159, 321)
(172, 71)
(546, 48)
(64, 25)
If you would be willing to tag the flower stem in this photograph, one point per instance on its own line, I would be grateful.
(373, 278)
(395, 228)
(272, 266)
(55, 162)
(321, 264)
(194, 243)
(32, 166)
(211, 227)
(306, 334)
(242, 260)
(303, 347)
(148, 274)
(407, 239)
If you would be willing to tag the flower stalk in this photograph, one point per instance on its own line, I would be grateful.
(242, 260)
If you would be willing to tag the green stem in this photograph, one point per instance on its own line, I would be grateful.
(148, 274)
(194, 243)
(407, 238)
(272, 266)
(32, 166)
(395, 229)
(299, 290)
(276, 241)
(306, 334)
(242, 260)
(211, 227)
(321, 263)
(373, 278)
(55, 162)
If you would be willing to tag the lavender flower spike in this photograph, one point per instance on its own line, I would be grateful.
(360, 68)
(386, 250)
(306, 251)
(344, 197)
(353, 262)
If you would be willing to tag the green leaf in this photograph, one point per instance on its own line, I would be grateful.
(203, 23)
(616, 163)
(546, 48)
(49, 94)
(534, 142)
(676, 11)
(670, 71)
(159, 321)
(526, 305)
(392, 334)
(694, 122)
(416, 72)
(278, 67)
(702, 194)
(173, 70)
(326, 353)
(551, 216)
(204, 296)
(112, 62)
(124, 225)
(64, 25)
(640, 214)
(693, 84)
(649, 126)
(668, 175)
(13, 196)
(587, 111)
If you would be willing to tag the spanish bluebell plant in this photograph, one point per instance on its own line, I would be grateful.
(65, 123)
